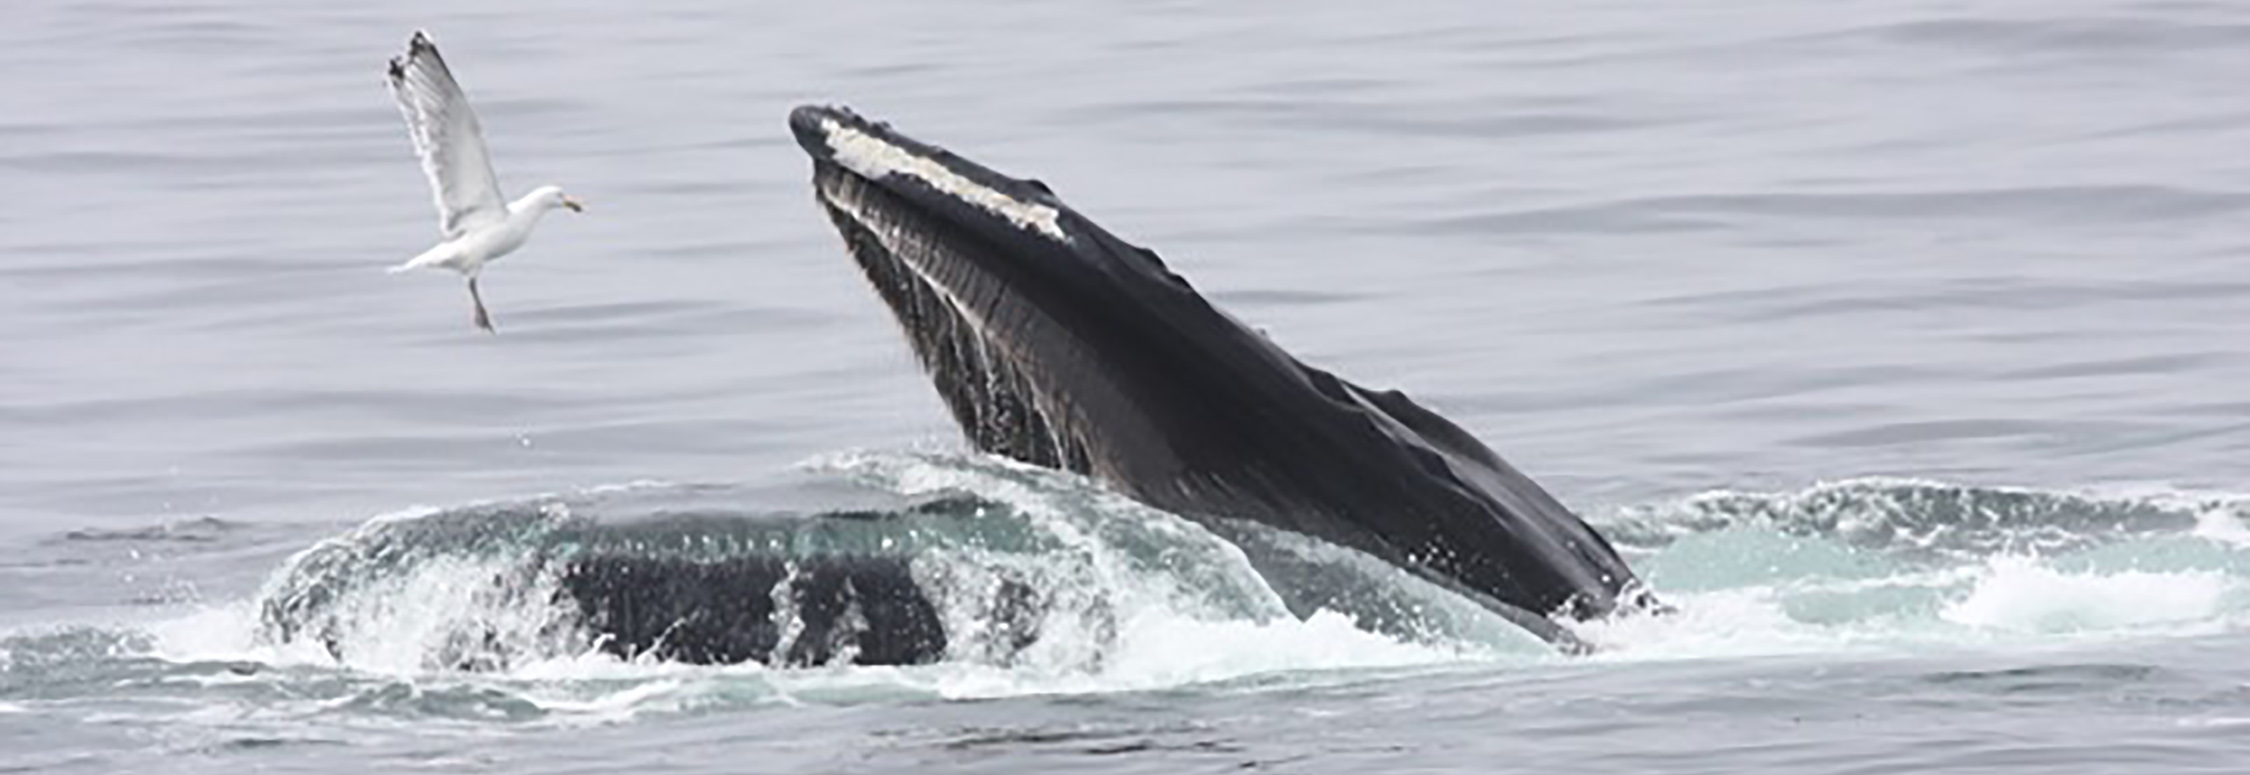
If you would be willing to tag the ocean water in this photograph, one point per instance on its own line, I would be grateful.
(1901, 346)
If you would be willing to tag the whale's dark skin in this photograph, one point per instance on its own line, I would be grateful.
(1058, 344)
(865, 610)
(702, 588)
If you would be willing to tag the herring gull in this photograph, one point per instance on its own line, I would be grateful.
(478, 226)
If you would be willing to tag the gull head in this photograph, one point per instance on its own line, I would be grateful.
(551, 197)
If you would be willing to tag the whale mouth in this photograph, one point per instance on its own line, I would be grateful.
(987, 279)
(1055, 343)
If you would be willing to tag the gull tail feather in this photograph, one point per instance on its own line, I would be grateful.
(437, 256)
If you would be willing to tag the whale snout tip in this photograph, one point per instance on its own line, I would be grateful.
(808, 117)
(812, 123)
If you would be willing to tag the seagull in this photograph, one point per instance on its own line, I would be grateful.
(477, 224)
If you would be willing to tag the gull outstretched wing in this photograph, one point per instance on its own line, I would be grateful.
(447, 137)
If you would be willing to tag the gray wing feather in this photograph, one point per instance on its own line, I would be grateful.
(448, 139)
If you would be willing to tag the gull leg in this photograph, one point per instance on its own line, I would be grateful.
(484, 320)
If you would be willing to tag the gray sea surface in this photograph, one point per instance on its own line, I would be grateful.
(1901, 345)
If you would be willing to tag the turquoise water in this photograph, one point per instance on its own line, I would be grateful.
(1899, 347)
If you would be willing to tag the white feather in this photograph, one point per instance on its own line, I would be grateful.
(448, 139)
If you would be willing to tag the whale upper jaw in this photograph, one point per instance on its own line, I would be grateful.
(873, 151)
(1056, 343)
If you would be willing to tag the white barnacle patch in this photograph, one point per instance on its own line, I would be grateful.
(872, 158)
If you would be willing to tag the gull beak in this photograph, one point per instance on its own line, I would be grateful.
(574, 205)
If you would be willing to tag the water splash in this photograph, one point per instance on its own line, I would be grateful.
(1932, 519)
(2024, 595)
(1137, 599)
(1889, 565)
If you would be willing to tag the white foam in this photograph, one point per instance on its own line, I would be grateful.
(2023, 595)
(1161, 650)
(1749, 621)
(666, 694)
(1156, 650)
(209, 633)
(2220, 515)
(391, 627)
(2221, 524)
(2014, 601)
(598, 665)
(872, 158)
(581, 689)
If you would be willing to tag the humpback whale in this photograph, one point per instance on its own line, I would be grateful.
(1056, 343)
